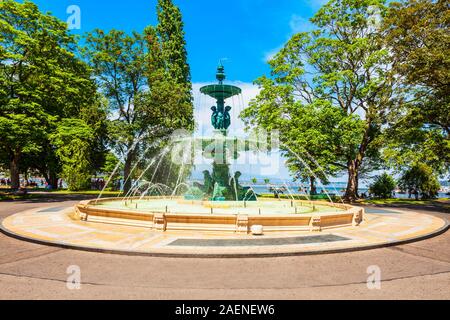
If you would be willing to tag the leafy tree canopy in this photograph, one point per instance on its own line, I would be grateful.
(329, 91)
(418, 35)
(42, 80)
(420, 180)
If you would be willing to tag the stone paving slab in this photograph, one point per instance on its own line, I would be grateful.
(55, 227)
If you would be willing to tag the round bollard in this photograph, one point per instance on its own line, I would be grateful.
(257, 230)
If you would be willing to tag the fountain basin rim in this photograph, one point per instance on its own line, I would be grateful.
(240, 223)
(220, 91)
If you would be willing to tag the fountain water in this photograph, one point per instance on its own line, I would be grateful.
(219, 201)
(220, 148)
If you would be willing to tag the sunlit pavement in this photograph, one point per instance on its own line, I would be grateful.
(419, 270)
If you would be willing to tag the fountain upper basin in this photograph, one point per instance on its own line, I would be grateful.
(220, 91)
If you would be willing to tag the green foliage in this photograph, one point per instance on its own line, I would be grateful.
(146, 79)
(170, 85)
(171, 38)
(42, 81)
(383, 186)
(111, 162)
(168, 70)
(321, 83)
(419, 179)
(417, 33)
(73, 139)
(118, 61)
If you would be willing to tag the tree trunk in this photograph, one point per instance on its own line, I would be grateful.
(313, 189)
(357, 184)
(352, 183)
(26, 178)
(53, 181)
(14, 171)
(353, 165)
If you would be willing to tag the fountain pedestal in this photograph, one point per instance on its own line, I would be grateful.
(220, 185)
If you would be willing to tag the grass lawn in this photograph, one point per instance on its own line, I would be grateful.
(442, 204)
(404, 201)
(87, 192)
(7, 196)
(43, 193)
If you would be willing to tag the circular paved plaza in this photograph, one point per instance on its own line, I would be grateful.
(414, 270)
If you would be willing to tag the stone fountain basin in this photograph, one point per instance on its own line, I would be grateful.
(180, 214)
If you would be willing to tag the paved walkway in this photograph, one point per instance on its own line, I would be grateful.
(53, 225)
(414, 271)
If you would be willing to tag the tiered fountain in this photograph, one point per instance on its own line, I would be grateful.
(220, 185)
(220, 202)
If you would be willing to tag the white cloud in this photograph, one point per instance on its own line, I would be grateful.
(300, 24)
(297, 24)
(316, 4)
(269, 55)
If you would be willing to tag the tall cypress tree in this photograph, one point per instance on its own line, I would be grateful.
(173, 46)
(169, 83)
(168, 54)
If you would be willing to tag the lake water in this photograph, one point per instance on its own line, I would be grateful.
(337, 190)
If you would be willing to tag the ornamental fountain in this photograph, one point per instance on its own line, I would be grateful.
(219, 202)
(220, 185)
(217, 216)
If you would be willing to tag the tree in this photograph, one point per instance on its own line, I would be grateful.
(47, 161)
(173, 46)
(118, 61)
(417, 33)
(419, 179)
(111, 162)
(42, 80)
(169, 78)
(73, 139)
(383, 186)
(342, 68)
(147, 81)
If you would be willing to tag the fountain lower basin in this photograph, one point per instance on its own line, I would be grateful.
(173, 214)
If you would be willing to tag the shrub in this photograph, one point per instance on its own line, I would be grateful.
(383, 186)
(420, 180)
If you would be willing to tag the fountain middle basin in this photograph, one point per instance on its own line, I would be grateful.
(170, 214)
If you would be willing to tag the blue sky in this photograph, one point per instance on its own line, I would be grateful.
(243, 31)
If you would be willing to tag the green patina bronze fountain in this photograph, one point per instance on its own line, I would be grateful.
(220, 118)
(220, 185)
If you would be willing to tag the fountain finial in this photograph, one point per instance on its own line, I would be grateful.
(220, 75)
